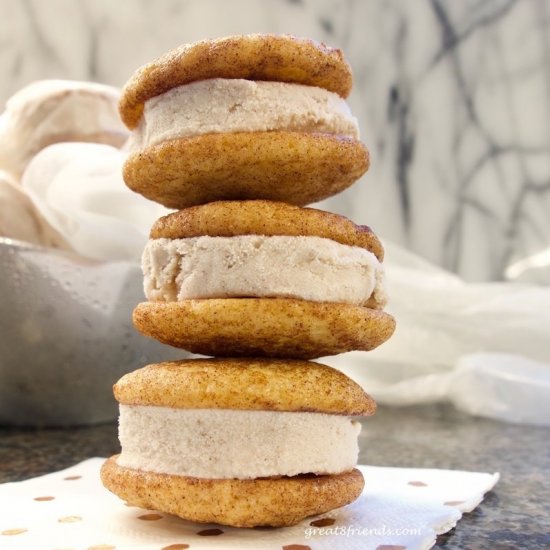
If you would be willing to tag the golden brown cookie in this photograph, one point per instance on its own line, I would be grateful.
(233, 218)
(272, 327)
(295, 167)
(271, 385)
(275, 502)
(253, 57)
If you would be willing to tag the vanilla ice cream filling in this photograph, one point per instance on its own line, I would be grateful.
(223, 105)
(241, 444)
(307, 268)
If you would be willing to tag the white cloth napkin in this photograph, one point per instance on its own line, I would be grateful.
(400, 509)
(78, 188)
(481, 346)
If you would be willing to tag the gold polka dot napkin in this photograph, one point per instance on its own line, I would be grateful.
(400, 509)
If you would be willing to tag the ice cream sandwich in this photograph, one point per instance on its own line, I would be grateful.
(242, 442)
(263, 278)
(52, 111)
(243, 117)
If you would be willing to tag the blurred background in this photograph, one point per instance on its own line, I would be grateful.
(452, 99)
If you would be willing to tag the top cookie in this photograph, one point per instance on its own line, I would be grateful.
(245, 384)
(259, 217)
(254, 57)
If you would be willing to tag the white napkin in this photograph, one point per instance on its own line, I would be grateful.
(78, 188)
(400, 508)
(481, 346)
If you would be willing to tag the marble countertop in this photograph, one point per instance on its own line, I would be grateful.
(515, 515)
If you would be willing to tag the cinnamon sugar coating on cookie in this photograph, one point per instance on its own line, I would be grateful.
(261, 217)
(264, 327)
(295, 167)
(277, 502)
(271, 385)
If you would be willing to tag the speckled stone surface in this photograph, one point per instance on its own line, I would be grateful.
(516, 515)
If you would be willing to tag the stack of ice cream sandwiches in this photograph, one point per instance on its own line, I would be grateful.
(239, 134)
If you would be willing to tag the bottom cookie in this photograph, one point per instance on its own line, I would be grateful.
(264, 327)
(275, 502)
